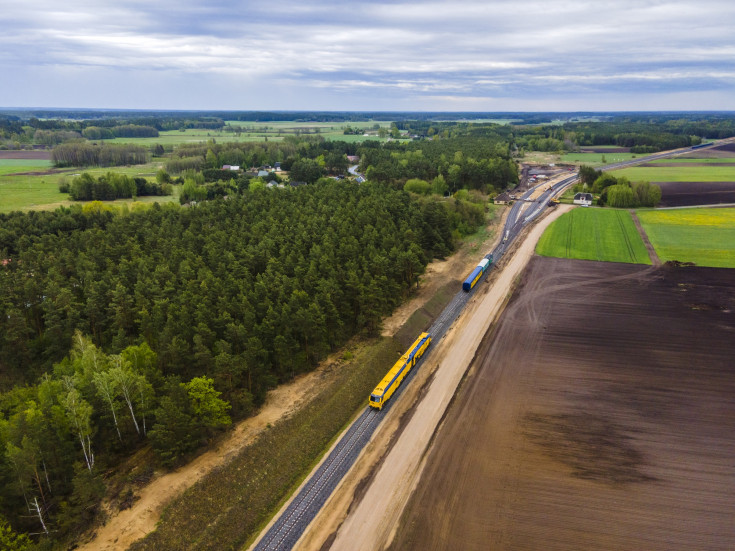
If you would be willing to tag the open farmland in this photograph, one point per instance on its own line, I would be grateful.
(249, 131)
(705, 236)
(598, 159)
(33, 184)
(683, 173)
(594, 234)
(700, 177)
(15, 166)
(599, 415)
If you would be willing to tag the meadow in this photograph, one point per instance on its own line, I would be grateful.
(704, 236)
(595, 159)
(250, 131)
(12, 166)
(682, 173)
(594, 234)
(34, 192)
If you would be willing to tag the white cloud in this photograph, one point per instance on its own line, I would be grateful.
(372, 50)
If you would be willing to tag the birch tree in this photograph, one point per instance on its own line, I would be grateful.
(79, 413)
(127, 384)
(107, 390)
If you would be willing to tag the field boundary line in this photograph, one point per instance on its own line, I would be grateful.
(652, 254)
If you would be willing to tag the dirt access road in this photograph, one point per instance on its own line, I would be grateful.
(383, 490)
(601, 415)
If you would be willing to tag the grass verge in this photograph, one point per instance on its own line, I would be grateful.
(594, 234)
(705, 236)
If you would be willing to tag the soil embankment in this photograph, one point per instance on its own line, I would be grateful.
(600, 415)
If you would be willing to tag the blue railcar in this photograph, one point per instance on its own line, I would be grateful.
(476, 274)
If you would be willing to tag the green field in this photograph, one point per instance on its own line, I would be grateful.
(705, 236)
(483, 121)
(258, 131)
(594, 234)
(678, 174)
(595, 159)
(13, 166)
(18, 192)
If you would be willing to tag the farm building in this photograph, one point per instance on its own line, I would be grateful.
(583, 199)
(502, 199)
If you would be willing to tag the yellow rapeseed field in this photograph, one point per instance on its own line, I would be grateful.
(724, 218)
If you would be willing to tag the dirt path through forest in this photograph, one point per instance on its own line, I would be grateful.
(124, 527)
(367, 522)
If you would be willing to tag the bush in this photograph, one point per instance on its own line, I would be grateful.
(417, 186)
(621, 196)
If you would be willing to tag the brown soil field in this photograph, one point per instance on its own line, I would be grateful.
(726, 147)
(682, 194)
(600, 414)
(723, 151)
(43, 155)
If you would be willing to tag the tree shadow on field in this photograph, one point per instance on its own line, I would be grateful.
(592, 446)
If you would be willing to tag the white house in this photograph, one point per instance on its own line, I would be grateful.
(584, 199)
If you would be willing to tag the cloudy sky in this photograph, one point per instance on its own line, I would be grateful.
(523, 55)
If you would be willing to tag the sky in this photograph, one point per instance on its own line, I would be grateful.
(462, 55)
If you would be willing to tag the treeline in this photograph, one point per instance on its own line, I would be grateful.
(640, 136)
(617, 192)
(473, 163)
(111, 186)
(123, 131)
(180, 305)
(329, 155)
(86, 154)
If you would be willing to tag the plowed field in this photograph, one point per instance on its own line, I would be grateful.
(599, 415)
(684, 194)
